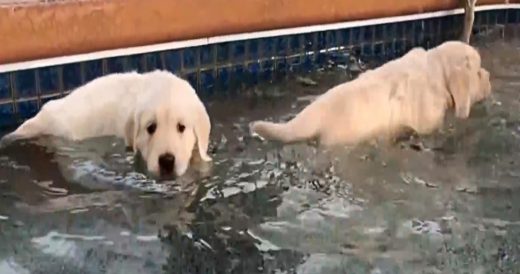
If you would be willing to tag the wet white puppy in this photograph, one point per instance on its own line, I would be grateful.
(411, 92)
(157, 114)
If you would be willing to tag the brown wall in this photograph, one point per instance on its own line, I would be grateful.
(47, 30)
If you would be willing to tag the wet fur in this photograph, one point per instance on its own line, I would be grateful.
(122, 105)
(411, 92)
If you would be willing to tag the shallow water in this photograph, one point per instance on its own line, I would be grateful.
(446, 203)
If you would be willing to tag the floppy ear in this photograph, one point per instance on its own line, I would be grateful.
(460, 85)
(485, 83)
(132, 130)
(202, 128)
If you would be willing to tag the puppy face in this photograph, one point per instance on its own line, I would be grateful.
(166, 128)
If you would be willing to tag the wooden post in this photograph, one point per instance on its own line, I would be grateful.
(469, 18)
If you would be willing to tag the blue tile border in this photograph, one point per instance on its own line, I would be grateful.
(5, 87)
(226, 67)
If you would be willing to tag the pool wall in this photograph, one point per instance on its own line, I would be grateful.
(228, 57)
(42, 29)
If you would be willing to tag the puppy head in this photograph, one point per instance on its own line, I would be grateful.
(167, 124)
(466, 81)
(468, 87)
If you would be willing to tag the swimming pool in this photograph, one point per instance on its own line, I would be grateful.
(446, 203)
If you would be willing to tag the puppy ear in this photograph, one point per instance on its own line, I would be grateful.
(131, 131)
(202, 128)
(485, 83)
(461, 84)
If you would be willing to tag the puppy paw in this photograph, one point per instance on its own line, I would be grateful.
(8, 139)
(201, 158)
(255, 129)
(206, 158)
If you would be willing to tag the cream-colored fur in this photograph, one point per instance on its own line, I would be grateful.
(411, 92)
(124, 105)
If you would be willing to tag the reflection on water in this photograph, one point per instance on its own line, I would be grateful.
(437, 204)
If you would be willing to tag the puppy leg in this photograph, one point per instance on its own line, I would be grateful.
(304, 126)
(29, 129)
(402, 135)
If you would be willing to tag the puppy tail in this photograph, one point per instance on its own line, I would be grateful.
(29, 129)
(298, 129)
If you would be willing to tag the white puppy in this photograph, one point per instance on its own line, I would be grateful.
(411, 92)
(157, 114)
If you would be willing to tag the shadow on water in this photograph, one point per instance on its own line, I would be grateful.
(438, 204)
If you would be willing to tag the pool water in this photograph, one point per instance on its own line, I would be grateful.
(446, 203)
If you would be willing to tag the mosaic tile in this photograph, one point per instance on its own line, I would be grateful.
(368, 34)
(493, 17)
(281, 44)
(92, 70)
(379, 33)
(308, 61)
(367, 49)
(295, 64)
(379, 50)
(5, 86)
(49, 80)
(116, 64)
(513, 16)
(389, 50)
(27, 109)
(237, 78)
(253, 71)
(340, 36)
(356, 35)
(309, 42)
(207, 54)
(253, 47)
(295, 45)
(173, 61)
(7, 115)
(71, 76)
(190, 58)
(331, 39)
(192, 78)
(266, 73)
(238, 51)
(207, 82)
(153, 61)
(223, 53)
(280, 69)
(267, 47)
(223, 79)
(25, 83)
(348, 35)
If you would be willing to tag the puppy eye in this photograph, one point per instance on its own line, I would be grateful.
(180, 128)
(151, 128)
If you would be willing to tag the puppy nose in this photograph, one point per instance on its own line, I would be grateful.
(166, 163)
